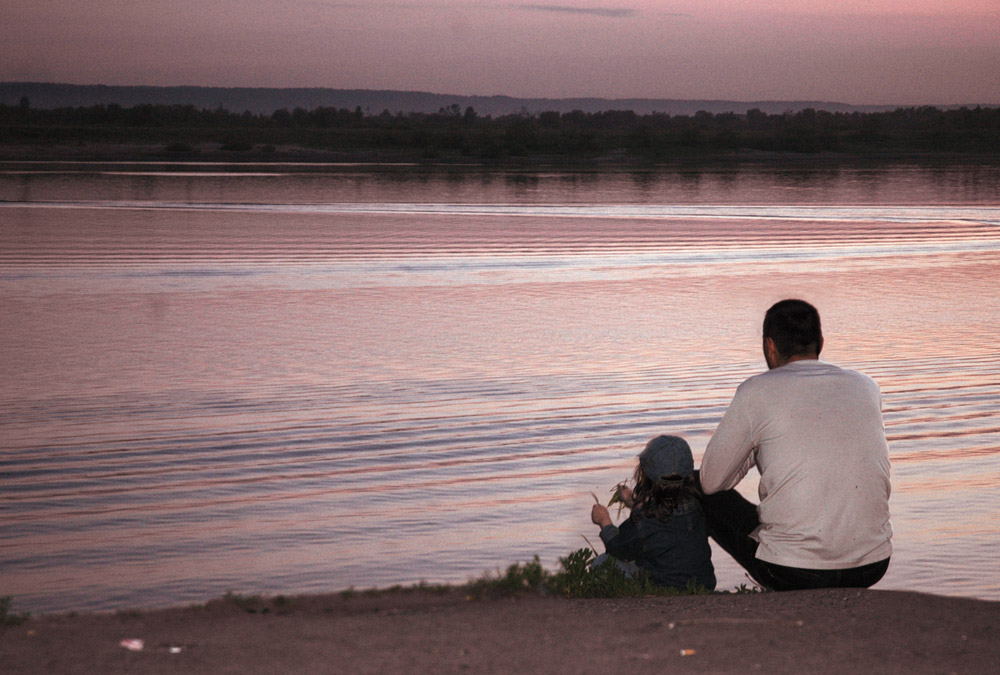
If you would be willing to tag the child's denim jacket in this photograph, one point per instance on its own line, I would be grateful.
(674, 552)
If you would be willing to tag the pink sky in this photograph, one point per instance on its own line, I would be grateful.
(905, 52)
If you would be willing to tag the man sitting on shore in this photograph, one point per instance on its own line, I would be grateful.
(815, 433)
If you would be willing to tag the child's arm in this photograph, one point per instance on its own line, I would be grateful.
(624, 543)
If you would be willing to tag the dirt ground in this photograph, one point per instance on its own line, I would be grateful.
(418, 631)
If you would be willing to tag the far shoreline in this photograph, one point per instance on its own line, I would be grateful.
(213, 153)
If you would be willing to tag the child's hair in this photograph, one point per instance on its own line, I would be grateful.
(658, 499)
(664, 478)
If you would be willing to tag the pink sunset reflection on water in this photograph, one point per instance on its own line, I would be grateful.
(430, 382)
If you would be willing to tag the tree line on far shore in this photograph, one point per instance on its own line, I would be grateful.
(453, 132)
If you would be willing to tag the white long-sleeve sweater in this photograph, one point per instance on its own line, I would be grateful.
(816, 435)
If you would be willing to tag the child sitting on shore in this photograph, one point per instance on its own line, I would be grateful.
(665, 533)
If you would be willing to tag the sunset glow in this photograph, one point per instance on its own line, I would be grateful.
(903, 52)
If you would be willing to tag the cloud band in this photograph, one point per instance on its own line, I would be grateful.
(609, 12)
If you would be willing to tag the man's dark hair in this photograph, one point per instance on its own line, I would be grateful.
(794, 327)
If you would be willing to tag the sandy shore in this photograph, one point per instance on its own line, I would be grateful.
(829, 631)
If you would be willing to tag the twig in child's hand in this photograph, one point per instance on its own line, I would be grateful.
(616, 498)
(596, 500)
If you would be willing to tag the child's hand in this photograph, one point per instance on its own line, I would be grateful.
(625, 493)
(599, 515)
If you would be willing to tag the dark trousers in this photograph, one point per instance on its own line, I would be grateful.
(731, 519)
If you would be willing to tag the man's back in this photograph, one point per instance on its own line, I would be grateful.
(815, 433)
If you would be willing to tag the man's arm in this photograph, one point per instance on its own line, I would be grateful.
(731, 451)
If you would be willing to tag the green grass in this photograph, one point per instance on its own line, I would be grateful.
(574, 579)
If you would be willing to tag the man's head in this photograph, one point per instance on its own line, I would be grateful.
(791, 332)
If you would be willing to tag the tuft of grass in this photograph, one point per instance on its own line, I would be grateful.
(9, 618)
(529, 577)
(251, 604)
(574, 579)
(433, 588)
(257, 604)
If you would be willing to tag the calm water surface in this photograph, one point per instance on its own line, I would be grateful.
(287, 379)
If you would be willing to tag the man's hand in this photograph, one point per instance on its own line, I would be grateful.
(599, 515)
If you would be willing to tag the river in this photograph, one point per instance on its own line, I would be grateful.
(304, 378)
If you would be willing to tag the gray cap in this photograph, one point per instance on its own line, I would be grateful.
(666, 456)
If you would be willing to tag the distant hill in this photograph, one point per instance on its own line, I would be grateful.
(266, 100)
